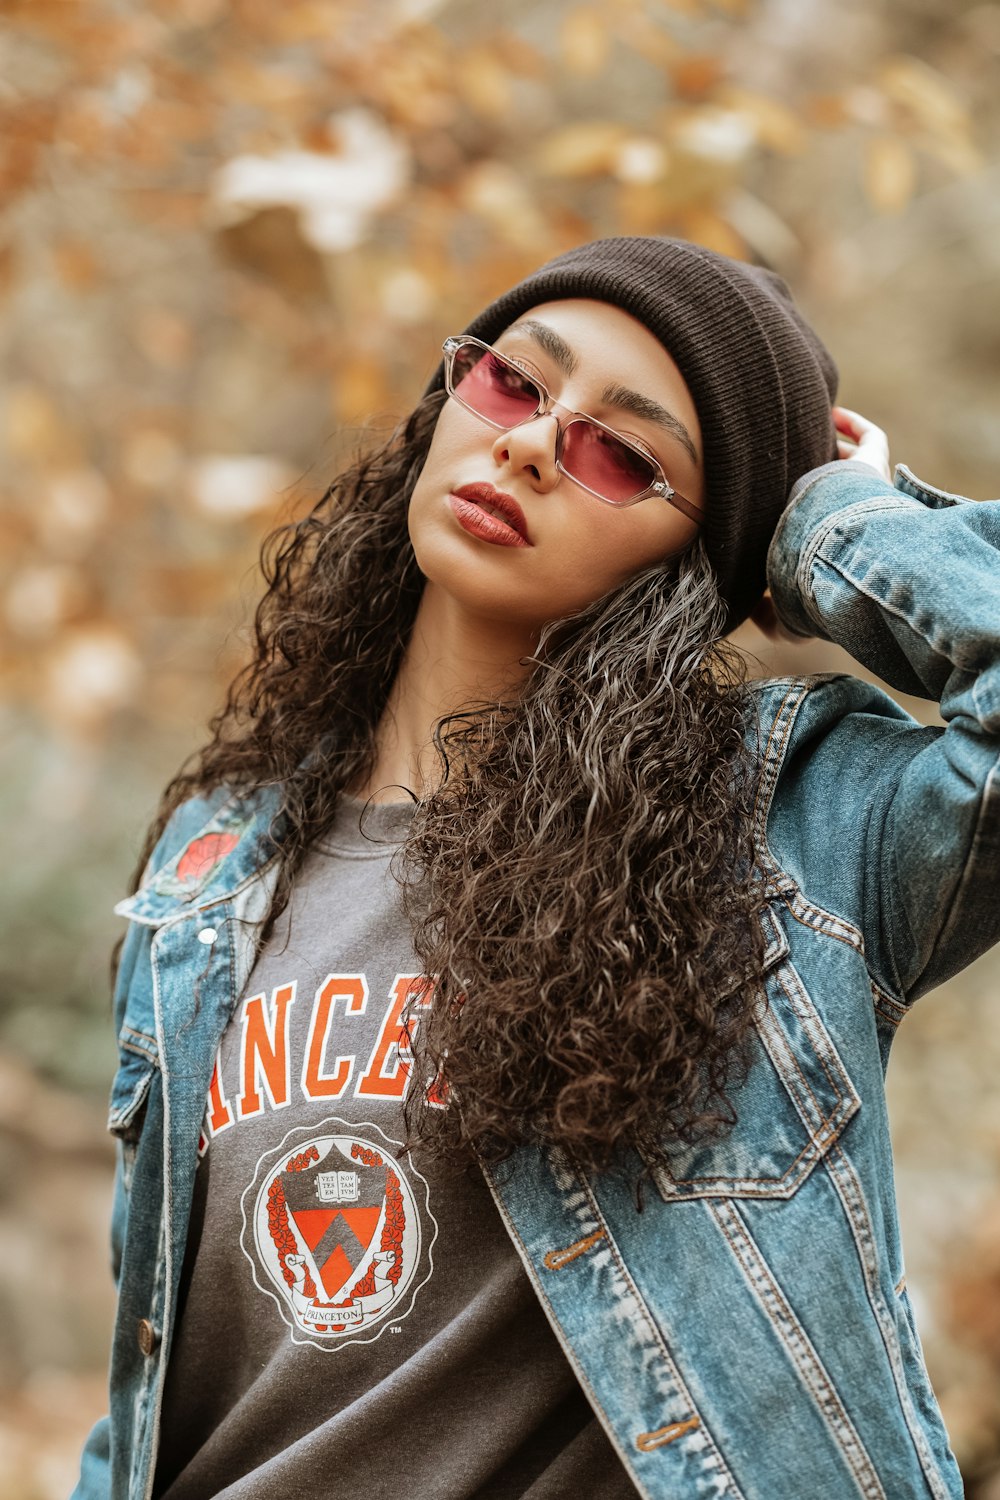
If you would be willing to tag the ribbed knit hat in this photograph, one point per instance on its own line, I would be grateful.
(761, 380)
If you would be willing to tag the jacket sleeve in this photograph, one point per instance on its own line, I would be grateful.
(907, 579)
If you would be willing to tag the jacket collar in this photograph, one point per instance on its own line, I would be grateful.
(241, 837)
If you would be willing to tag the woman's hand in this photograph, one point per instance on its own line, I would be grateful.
(865, 443)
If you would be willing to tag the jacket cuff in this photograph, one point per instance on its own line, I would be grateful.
(835, 466)
(818, 502)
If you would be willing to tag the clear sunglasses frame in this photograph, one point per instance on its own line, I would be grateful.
(547, 406)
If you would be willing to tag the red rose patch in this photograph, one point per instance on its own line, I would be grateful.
(203, 854)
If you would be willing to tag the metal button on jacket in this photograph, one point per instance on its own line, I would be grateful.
(147, 1336)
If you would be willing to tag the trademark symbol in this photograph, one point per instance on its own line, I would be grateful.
(395, 1328)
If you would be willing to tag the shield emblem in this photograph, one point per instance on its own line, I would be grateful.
(336, 1228)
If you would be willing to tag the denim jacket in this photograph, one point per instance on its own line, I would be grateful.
(747, 1331)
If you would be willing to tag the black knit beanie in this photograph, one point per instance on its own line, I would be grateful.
(761, 380)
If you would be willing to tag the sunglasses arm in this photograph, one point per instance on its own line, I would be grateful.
(693, 512)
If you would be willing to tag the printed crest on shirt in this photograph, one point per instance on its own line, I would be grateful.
(338, 1232)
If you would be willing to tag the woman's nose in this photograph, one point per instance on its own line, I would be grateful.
(530, 448)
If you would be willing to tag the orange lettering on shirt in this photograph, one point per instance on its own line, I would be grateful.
(353, 990)
(437, 1091)
(388, 1070)
(264, 1051)
(220, 1116)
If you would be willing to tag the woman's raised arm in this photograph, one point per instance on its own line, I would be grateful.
(907, 579)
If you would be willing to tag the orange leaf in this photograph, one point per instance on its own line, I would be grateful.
(642, 208)
(495, 192)
(360, 388)
(34, 428)
(84, 127)
(696, 75)
(484, 83)
(826, 111)
(648, 39)
(924, 94)
(520, 56)
(889, 173)
(584, 42)
(587, 149)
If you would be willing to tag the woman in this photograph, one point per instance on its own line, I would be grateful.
(506, 998)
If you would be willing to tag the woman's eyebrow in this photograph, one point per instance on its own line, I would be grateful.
(619, 396)
(552, 342)
(642, 406)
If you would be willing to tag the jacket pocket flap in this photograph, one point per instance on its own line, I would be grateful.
(791, 1107)
(138, 1061)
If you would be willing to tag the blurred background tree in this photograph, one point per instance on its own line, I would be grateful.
(232, 237)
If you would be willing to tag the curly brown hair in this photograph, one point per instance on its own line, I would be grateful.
(580, 885)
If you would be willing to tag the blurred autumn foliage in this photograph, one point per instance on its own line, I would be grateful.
(232, 237)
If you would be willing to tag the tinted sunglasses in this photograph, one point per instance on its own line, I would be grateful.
(592, 455)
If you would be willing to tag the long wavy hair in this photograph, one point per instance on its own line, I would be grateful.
(580, 884)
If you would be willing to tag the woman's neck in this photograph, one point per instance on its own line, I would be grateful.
(452, 660)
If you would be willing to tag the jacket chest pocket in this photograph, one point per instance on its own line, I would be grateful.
(138, 1063)
(795, 1101)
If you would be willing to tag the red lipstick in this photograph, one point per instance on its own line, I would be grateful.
(490, 514)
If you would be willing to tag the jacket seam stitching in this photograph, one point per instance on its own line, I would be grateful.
(808, 1027)
(891, 1009)
(771, 760)
(139, 1043)
(827, 923)
(848, 1187)
(805, 1358)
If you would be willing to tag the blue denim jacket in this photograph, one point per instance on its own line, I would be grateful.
(747, 1333)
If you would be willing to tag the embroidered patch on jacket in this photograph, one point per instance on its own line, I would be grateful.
(338, 1233)
(202, 855)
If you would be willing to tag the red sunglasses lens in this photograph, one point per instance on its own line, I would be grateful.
(604, 463)
(495, 389)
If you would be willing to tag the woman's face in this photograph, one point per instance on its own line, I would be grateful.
(587, 354)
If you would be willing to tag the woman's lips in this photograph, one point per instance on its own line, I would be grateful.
(490, 514)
